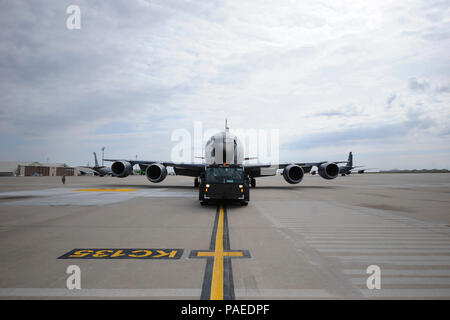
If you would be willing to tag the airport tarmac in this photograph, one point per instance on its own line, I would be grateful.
(136, 240)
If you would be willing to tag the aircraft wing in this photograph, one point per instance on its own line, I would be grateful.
(355, 168)
(93, 168)
(263, 170)
(181, 169)
(194, 169)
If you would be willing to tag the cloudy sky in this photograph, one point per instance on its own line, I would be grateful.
(331, 76)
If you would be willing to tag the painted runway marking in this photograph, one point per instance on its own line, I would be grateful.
(192, 293)
(414, 255)
(171, 254)
(106, 190)
(218, 278)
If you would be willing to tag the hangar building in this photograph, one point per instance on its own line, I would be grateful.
(35, 169)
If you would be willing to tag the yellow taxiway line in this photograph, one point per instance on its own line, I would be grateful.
(217, 276)
(218, 254)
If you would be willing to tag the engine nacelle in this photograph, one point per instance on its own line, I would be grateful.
(156, 172)
(293, 174)
(121, 169)
(328, 170)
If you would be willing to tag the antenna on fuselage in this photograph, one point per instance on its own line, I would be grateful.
(226, 126)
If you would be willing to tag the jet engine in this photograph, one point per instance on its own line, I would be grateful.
(293, 174)
(121, 169)
(156, 172)
(328, 170)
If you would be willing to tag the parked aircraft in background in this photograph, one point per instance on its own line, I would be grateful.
(348, 168)
(99, 170)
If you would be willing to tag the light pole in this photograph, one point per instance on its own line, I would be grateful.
(103, 154)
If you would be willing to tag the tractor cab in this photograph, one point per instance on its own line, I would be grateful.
(224, 182)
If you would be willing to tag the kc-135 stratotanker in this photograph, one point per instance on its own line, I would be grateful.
(223, 175)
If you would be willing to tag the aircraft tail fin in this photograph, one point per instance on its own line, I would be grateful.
(350, 159)
(95, 157)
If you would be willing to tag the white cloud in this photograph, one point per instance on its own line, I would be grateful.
(308, 68)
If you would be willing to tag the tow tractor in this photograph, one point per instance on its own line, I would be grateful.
(224, 182)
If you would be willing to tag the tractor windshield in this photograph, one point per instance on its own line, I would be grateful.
(225, 175)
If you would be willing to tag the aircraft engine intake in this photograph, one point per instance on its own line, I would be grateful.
(293, 174)
(121, 169)
(156, 172)
(328, 170)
